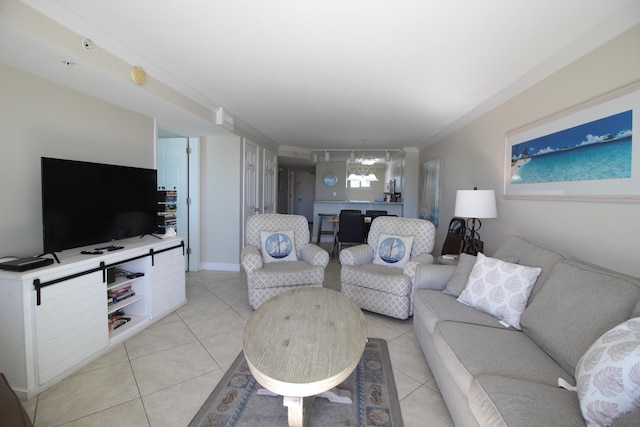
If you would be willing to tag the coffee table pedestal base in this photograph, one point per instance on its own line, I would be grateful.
(299, 406)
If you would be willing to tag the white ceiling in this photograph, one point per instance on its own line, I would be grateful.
(324, 73)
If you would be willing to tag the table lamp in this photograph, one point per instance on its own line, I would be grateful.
(473, 205)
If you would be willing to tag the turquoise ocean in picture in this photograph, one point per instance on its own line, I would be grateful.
(596, 150)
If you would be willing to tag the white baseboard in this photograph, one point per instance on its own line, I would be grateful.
(219, 267)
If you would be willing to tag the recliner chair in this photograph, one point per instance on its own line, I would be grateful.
(267, 279)
(378, 287)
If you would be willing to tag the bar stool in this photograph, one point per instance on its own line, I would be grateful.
(322, 217)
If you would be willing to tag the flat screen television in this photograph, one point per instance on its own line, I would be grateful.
(87, 203)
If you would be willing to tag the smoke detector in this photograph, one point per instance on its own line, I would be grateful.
(87, 44)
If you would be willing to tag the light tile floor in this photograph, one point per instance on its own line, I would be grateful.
(162, 376)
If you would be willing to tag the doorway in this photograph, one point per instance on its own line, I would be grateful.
(305, 192)
(176, 162)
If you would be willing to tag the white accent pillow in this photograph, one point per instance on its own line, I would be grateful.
(608, 375)
(278, 246)
(499, 288)
(393, 251)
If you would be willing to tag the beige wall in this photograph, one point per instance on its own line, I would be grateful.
(601, 233)
(221, 202)
(39, 118)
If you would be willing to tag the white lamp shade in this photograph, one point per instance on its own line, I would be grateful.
(476, 204)
(370, 177)
(354, 177)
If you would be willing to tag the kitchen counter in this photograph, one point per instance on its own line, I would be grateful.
(367, 202)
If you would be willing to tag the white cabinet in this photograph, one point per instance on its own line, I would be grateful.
(166, 271)
(69, 324)
(55, 319)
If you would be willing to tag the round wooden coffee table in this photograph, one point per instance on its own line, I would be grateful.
(302, 343)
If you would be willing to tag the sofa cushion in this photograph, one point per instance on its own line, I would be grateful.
(608, 375)
(529, 254)
(393, 251)
(460, 276)
(378, 277)
(499, 288)
(501, 401)
(278, 274)
(469, 350)
(435, 306)
(578, 304)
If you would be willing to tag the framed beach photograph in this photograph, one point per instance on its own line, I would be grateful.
(585, 153)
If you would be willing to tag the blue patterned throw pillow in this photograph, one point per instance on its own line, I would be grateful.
(393, 251)
(278, 246)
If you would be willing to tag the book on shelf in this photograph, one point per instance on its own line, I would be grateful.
(118, 322)
(119, 291)
(116, 313)
(117, 319)
(120, 297)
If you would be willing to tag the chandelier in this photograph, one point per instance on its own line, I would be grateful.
(361, 173)
(365, 171)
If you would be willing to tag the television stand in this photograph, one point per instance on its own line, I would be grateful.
(61, 317)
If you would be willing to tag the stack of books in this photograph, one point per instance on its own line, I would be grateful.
(117, 319)
(114, 296)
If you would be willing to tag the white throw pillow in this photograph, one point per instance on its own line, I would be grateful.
(499, 288)
(608, 375)
(278, 246)
(393, 251)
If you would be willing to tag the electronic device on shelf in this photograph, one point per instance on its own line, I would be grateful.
(25, 263)
(86, 203)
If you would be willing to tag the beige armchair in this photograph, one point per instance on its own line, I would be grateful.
(267, 279)
(378, 285)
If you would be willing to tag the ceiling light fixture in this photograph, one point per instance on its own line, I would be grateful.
(366, 161)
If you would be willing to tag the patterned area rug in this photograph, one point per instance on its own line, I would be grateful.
(234, 401)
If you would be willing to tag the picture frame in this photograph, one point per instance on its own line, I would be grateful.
(587, 152)
(430, 194)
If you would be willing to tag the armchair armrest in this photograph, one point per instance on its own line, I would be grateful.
(433, 276)
(410, 267)
(251, 259)
(314, 255)
(356, 255)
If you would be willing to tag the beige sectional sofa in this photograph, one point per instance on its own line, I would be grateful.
(492, 375)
